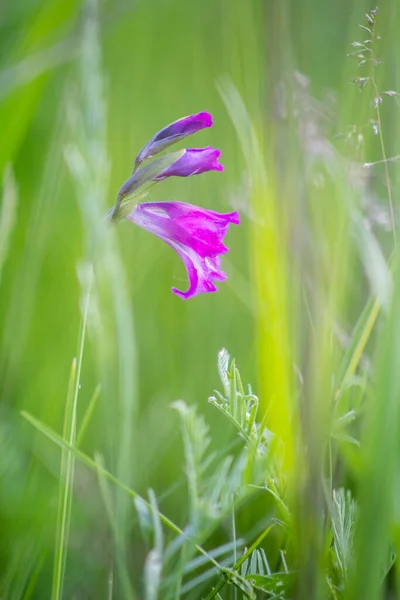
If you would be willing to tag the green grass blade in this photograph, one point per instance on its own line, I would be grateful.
(68, 461)
(359, 339)
(64, 496)
(110, 509)
(380, 463)
(239, 563)
(87, 416)
(63, 444)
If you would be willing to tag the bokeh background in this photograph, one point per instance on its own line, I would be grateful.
(83, 86)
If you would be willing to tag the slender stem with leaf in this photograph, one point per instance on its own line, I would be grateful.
(377, 102)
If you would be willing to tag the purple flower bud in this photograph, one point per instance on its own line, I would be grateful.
(193, 162)
(148, 173)
(195, 233)
(173, 133)
(184, 163)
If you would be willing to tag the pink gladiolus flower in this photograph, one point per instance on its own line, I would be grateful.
(195, 233)
(194, 162)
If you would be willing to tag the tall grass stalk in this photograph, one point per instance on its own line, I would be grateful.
(377, 104)
(68, 459)
(87, 158)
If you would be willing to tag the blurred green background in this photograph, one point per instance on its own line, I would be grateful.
(81, 82)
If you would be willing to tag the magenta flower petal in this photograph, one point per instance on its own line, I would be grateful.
(194, 162)
(173, 133)
(195, 233)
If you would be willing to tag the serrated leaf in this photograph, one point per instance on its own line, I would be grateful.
(343, 519)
